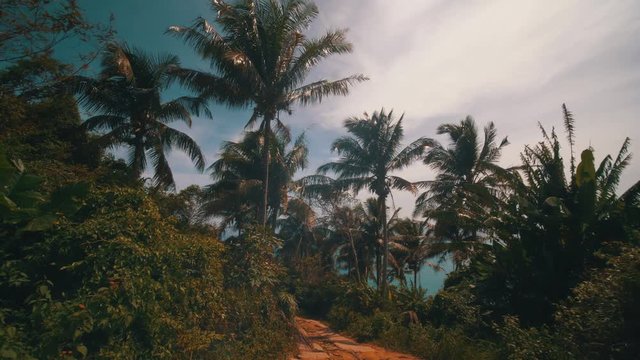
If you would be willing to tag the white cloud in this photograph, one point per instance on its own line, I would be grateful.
(511, 62)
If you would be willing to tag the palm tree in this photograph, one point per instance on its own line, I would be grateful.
(127, 96)
(467, 184)
(238, 174)
(261, 58)
(367, 159)
(414, 239)
(296, 230)
(346, 235)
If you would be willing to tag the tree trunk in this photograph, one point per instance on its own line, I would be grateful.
(415, 279)
(138, 156)
(355, 256)
(266, 159)
(378, 260)
(385, 239)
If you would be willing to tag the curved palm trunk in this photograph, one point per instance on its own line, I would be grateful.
(266, 159)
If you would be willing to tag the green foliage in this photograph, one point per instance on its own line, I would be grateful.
(271, 80)
(367, 158)
(23, 207)
(49, 126)
(250, 259)
(118, 281)
(601, 318)
(186, 208)
(431, 343)
(260, 316)
(468, 185)
(238, 177)
(530, 343)
(127, 100)
(316, 298)
(545, 234)
(408, 322)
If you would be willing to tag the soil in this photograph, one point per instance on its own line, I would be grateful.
(320, 342)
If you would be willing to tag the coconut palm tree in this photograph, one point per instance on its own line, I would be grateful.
(367, 160)
(414, 242)
(296, 230)
(261, 58)
(127, 98)
(238, 174)
(467, 184)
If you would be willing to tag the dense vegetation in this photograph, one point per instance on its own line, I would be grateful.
(97, 262)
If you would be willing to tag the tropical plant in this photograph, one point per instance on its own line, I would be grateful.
(546, 235)
(187, 208)
(346, 225)
(414, 243)
(237, 174)
(467, 185)
(367, 160)
(127, 96)
(261, 58)
(297, 230)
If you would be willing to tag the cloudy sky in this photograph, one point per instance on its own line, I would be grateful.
(507, 61)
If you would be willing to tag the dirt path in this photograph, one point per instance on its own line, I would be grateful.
(322, 343)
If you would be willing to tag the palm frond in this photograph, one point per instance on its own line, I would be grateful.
(315, 92)
(569, 125)
(103, 122)
(410, 153)
(172, 137)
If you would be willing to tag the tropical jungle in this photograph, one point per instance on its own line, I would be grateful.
(106, 252)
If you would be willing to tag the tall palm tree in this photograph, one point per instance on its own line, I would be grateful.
(127, 98)
(261, 58)
(238, 174)
(368, 158)
(467, 184)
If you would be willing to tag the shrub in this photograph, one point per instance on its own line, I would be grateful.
(117, 281)
(601, 319)
(598, 321)
(430, 343)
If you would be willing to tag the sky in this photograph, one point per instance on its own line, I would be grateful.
(511, 62)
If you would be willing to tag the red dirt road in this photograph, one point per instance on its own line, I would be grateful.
(322, 343)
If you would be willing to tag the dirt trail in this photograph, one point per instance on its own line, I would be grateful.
(322, 343)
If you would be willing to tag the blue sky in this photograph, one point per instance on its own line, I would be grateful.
(510, 62)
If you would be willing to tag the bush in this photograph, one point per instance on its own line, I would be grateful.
(431, 343)
(117, 281)
(455, 307)
(599, 320)
(121, 282)
(317, 300)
